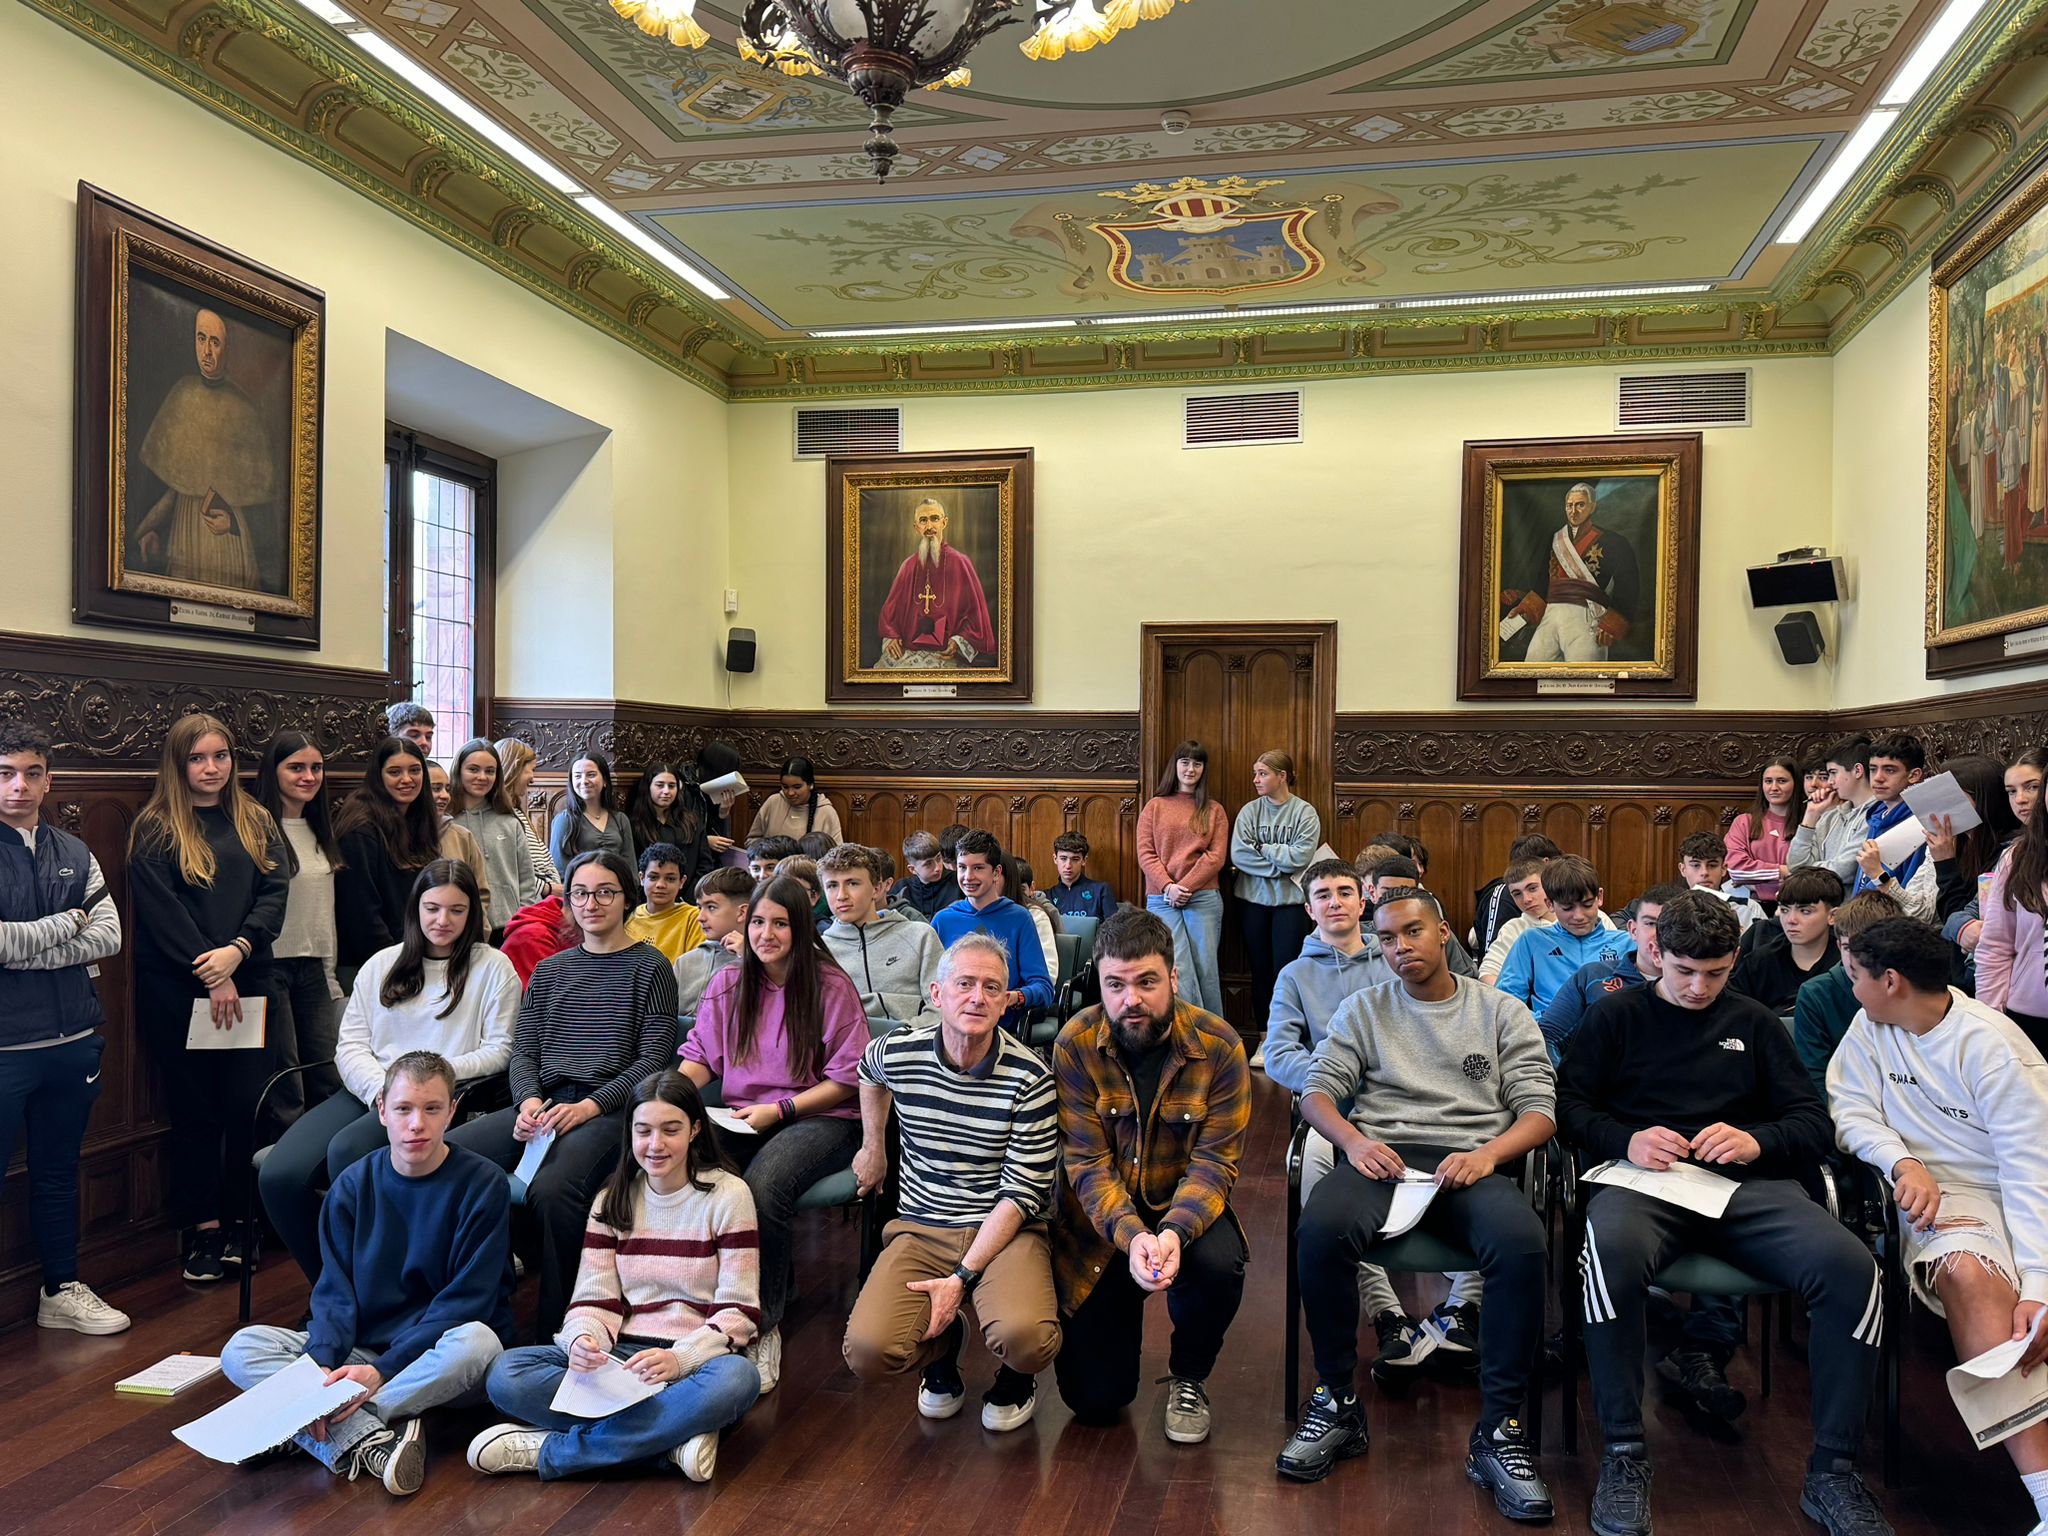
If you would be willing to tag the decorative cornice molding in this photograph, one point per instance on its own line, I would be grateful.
(110, 705)
(1523, 747)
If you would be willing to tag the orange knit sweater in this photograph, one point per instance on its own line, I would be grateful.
(1170, 849)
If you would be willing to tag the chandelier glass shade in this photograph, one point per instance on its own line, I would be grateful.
(675, 20)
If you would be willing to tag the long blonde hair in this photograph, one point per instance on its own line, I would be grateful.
(170, 822)
(513, 755)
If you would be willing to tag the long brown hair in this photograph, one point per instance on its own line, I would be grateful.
(408, 974)
(1169, 781)
(803, 993)
(409, 833)
(2029, 871)
(169, 822)
(615, 1204)
(1983, 780)
(1795, 808)
(458, 794)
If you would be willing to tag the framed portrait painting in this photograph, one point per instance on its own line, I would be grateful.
(1987, 440)
(196, 476)
(928, 576)
(1580, 568)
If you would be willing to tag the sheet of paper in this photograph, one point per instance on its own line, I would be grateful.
(719, 785)
(1682, 1184)
(529, 1162)
(247, 1035)
(599, 1393)
(170, 1376)
(1751, 876)
(1995, 1401)
(268, 1414)
(1900, 841)
(729, 1120)
(1943, 796)
(1412, 1197)
(1323, 851)
(1512, 626)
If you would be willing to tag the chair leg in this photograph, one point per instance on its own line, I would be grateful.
(1291, 1373)
(1893, 1361)
(1763, 1334)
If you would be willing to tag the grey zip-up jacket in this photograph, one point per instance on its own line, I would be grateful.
(893, 962)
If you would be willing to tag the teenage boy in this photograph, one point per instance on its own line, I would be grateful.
(764, 853)
(1544, 958)
(1604, 977)
(1798, 947)
(1686, 1070)
(1075, 895)
(412, 721)
(1143, 1201)
(1703, 866)
(1836, 822)
(1965, 1150)
(1826, 1006)
(663, 919)
(892, 959)
(1493, 903)
(930, 885)
(722, 897)
(1450, 1076)
(56, 920)
(983, 908)
(414, 1296)
(977, 1123)
(1523, 884)
(1896, 762)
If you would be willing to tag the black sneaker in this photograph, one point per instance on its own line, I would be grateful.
(1010, 1400)
(1840, 1502)
(1456, 1328)
(1503, 1463)
(1404, 1345)
(1621, 1504)
(202, 1262)
(1695, 1377)
(1330, 1430)
(235, 1251)
(942, 1391)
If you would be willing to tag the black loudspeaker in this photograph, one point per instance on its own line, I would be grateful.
(739, 650)
(1793, 580)
(1799, 638)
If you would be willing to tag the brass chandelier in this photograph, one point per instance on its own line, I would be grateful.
(883, 49)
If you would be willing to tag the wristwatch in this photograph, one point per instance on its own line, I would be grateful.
(968, 1278)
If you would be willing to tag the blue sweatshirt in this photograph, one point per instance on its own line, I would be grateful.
(1306, 997)
(1084, 898)
(1589, 983)
(404, 1260)
(1012, 924)
(1544, 959)
(1880, 819)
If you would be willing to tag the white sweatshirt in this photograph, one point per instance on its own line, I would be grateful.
(476, 1038)
(1969, 1099)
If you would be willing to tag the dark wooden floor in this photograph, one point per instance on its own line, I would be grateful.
(823, 1454)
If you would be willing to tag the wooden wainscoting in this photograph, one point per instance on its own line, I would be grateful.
(1024, 816)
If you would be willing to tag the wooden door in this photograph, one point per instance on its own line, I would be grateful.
(1241, 689)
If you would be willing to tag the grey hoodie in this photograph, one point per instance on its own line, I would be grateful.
(893, 962)
(1305, 998)
(694, 970)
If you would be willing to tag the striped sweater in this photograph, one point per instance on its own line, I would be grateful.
(971, 1138)
(599, 1023)
(687, 1277)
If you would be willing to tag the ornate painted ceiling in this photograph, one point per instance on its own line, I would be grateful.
(1336, 151)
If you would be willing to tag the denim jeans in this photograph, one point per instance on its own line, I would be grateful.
(307, 1015)
(524, 1381)
(1197, 930)
(451, 1371)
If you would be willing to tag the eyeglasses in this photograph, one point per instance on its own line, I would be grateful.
(602, 895)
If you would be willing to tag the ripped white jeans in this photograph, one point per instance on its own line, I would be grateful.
(1968, 1225)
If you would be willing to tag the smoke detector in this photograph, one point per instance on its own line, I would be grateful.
(1175, 121)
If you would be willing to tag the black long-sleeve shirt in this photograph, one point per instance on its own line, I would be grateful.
(176, 922)
(1638, 1061)
(370, 893)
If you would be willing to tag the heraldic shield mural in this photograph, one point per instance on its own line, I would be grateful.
(1195, 238)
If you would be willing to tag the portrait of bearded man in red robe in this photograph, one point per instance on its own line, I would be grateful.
(936, 615)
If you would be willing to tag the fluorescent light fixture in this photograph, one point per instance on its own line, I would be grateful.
(1256, 312)
(1848, 160)
(1928, 53)
(940, 330)
(330, 13)
(617, 222)
(414, 75)
(1548, 296)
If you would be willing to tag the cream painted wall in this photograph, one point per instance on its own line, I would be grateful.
(76, 113)
(555, 537)
(1880, 514)
(1359, 522)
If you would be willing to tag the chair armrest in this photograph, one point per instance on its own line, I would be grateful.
(1831, 1192)
(1297, 1152)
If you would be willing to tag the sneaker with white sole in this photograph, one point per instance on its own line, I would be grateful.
(1010, 1401)
(75, 1306)
(941, 1393)
(1456, 1328)
(397, 1459)
(697, 1457)
(1187, 1411)
(766, 1353)
(506, 1448)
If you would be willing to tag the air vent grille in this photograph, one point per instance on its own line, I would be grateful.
(836, 432)
(1221, 421)
(1719, 399)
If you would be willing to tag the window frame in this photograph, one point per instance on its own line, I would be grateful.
(407, 451)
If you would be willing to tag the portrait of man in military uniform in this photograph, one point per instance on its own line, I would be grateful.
(1581, 594)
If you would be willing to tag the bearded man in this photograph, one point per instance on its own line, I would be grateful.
(1590, 590)
(935, 614)
(1154, 1100)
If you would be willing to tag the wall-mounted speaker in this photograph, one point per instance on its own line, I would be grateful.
(739, 650)
(1799, 638)
(1791, 579)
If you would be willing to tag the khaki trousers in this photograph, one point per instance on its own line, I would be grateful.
(1013, 1304)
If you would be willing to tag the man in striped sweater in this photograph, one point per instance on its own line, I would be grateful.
(978, 1125)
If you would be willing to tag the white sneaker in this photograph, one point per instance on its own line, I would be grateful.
(77, 1308)
(1258, 1061)
(697, 1457)
(766, 1353)
(507, 1448)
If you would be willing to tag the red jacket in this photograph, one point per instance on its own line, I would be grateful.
(534, 933)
